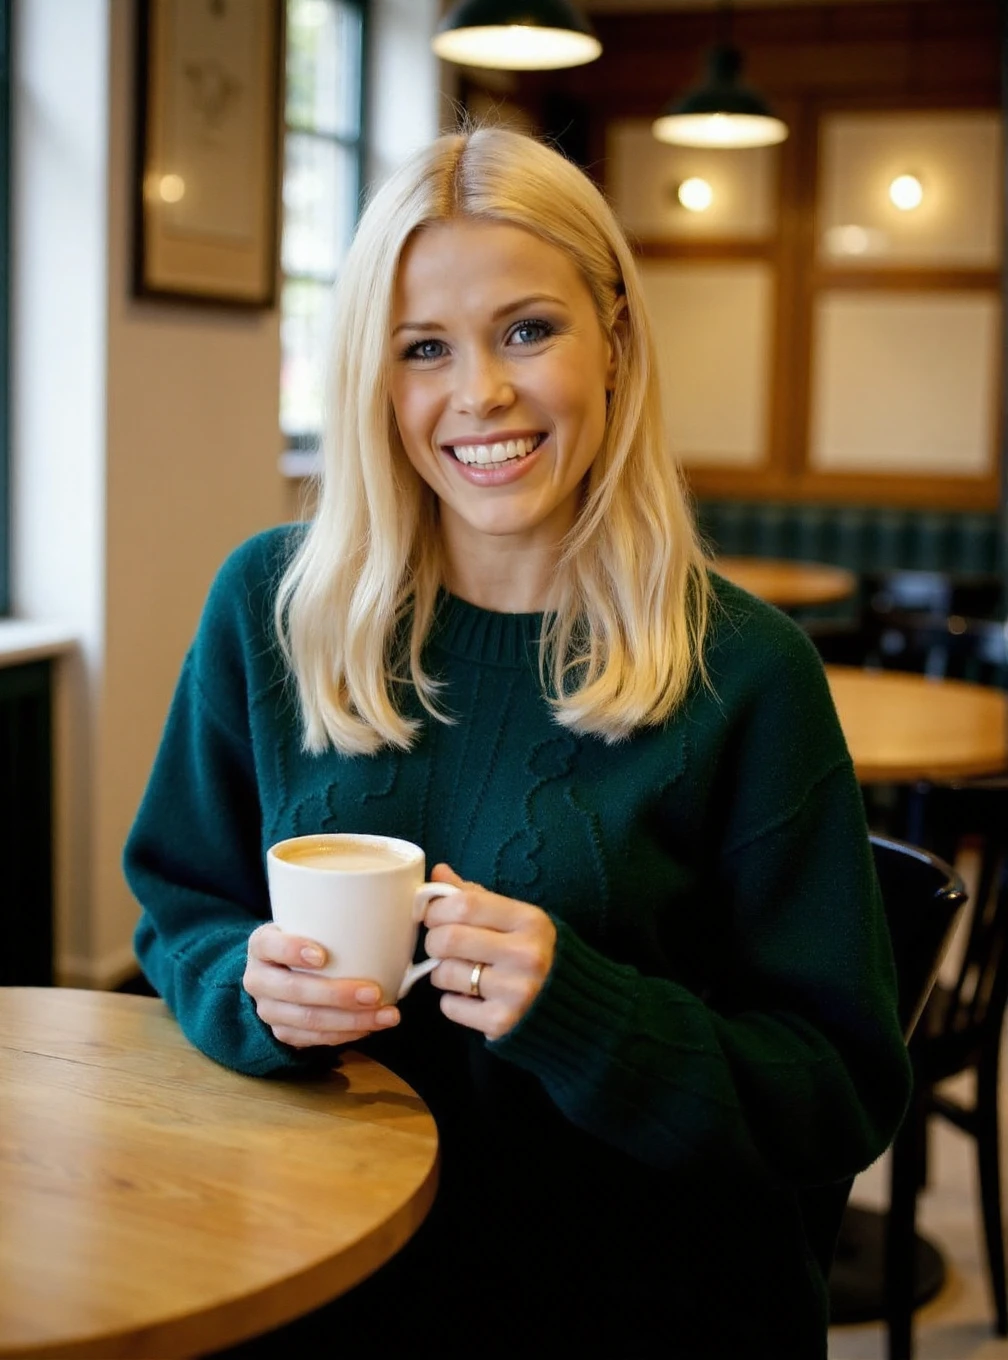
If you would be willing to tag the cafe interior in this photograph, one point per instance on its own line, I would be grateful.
(815, 193)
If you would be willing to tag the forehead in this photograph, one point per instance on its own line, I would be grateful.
(475, 262)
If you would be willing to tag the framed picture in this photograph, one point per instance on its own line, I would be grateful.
(207, 197)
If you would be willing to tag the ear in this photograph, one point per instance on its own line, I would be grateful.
(616, 343)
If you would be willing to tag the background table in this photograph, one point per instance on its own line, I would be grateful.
(902, 728)
(155, 1204)
(787, 584)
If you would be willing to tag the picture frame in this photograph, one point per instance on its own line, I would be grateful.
(206, 197)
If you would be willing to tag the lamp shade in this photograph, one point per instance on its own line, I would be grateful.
(516, 35)
(721, 112)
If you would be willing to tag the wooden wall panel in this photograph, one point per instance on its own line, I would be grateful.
(811, 63)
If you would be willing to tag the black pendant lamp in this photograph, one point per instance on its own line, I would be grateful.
(721, 112)
(516, 35)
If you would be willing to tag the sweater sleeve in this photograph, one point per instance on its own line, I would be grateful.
(794, 1064)
(193, 857)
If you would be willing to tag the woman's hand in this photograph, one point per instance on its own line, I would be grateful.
(514, 941)
(306, 1011)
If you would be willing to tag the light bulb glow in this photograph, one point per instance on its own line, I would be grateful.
(171, 188)
(516, 47)
(853, 239)
(906, 192)
(719, 129)
(695, 194)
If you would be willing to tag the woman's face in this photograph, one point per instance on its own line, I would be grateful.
(499, 375)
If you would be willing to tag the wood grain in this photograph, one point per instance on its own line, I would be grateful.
(155, 1204)
(901, 727)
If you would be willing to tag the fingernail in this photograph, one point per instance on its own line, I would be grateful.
(312, 956)
(367, 996)
(388, 1015)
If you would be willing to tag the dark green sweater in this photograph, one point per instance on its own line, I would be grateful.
(718, 1034)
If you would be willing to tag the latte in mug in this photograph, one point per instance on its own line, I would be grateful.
(354, 895)
(345, 854)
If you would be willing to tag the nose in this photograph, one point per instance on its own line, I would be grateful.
(482, 385)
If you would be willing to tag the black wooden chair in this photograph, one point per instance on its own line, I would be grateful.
(948, 646)
(977, 595)
(960, 1030)
(922, 896)
(929, 622)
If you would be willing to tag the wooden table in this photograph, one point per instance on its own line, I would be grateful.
(901, 727)
(787, 584)
(154, 1204)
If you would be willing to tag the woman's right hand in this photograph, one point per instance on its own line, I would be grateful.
(305, 1011)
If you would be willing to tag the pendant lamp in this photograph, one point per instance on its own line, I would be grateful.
(721, 112)
(516, 35)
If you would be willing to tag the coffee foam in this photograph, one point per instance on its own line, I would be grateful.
(342, 856)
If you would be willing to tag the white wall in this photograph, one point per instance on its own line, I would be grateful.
(145, 435)
(144, 447)
(192, 447)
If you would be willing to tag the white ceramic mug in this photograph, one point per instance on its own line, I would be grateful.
(355, 896)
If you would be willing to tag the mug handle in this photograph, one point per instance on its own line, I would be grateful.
(424, 895)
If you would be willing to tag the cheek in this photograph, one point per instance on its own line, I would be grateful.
(582, 405)
(412, 409)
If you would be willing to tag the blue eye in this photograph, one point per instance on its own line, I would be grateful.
(531, 332)
(424, 350)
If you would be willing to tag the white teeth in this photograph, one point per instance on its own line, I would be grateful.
(495, 453)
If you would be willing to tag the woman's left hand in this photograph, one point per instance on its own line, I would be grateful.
(514, 941)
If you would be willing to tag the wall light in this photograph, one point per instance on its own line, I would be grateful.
(516, 35)
(695, 194)
(171, 188)
(906, 192)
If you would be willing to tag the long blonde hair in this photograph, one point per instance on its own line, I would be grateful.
(623, 638)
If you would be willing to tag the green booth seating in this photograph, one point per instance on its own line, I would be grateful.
(862, 538)
(865, 539)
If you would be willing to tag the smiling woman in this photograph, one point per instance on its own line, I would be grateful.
(435, 292)
(663, 1008)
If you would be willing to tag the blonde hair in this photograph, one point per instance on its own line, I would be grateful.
(623, 638)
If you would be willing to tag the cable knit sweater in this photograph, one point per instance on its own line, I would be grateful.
(718, 1035)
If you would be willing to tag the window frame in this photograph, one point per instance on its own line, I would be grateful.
(307, 441)
(5, 267)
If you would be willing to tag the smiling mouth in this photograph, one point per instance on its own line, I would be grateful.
(506, 451)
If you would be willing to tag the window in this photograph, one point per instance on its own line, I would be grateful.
(5, 82)
(321, 193)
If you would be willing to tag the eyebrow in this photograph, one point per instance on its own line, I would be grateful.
(518, 305)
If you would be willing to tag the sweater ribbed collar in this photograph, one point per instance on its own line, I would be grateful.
(483, 635)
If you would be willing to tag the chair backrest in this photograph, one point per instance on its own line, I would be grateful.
(928, 592)
(950, 646)
(978, 595)
(922, 897)
(978, 996)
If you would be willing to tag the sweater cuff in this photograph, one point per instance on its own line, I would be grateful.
(584, 1009)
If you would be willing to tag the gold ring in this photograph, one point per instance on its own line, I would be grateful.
(474, 980)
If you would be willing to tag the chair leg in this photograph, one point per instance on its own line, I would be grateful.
(990, 1187)
(922, 1148)
(900, 1235)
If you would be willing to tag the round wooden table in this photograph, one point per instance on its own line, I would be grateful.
(901, 728)
(787, 584)
(154, 1204)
